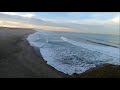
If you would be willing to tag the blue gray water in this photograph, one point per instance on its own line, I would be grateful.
(76, 52)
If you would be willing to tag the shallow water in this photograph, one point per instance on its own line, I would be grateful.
(76, 52)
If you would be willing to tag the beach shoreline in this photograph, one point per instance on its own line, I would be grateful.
(20, 60)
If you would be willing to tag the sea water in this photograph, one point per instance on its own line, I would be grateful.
(71, 52)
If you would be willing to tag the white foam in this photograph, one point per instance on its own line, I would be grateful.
(68, 59)
(111, 51)
(51, 58)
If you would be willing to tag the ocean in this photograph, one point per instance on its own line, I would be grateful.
(70, 52)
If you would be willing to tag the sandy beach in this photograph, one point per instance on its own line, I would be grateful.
(18, 59)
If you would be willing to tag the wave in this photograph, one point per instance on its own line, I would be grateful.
(111, 51)
(106, 44)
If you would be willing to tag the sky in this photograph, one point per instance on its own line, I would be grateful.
(75, 17)
(89, 18)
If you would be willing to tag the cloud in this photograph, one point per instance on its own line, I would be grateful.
(116, 20)
(78, 17)
(14, 24)
(22, 14)
(91, 21)
(112, 21)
